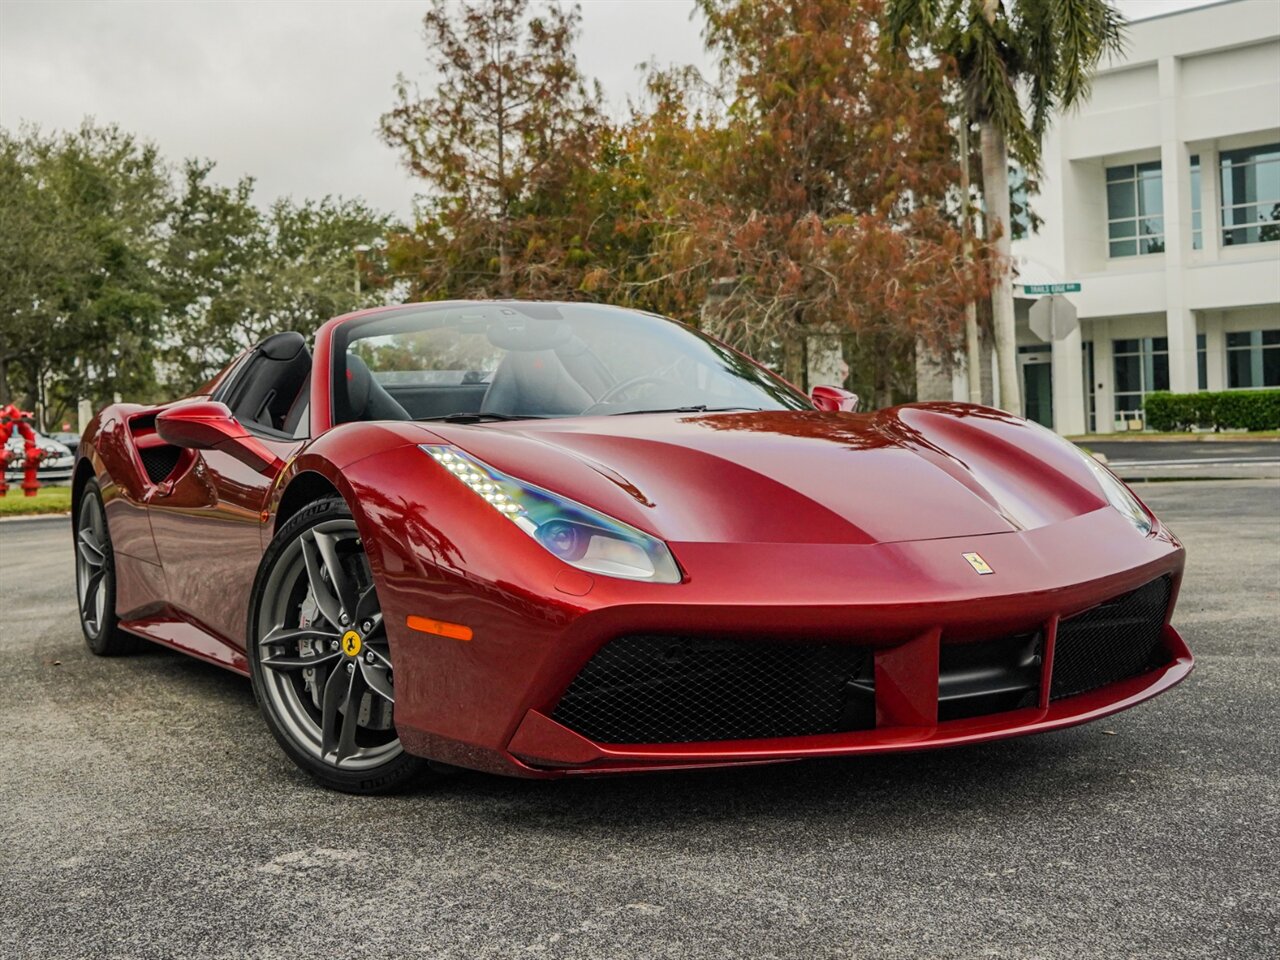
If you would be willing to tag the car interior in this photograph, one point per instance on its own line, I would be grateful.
(546, 371)
(496, 362)
(268, 393)
(538, 383)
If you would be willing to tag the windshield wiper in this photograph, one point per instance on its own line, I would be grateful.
(700, 408)
(475, 416)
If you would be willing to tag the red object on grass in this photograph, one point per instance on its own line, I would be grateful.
(15, 422)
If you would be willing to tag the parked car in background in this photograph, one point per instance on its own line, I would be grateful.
(68, 439)
(55, 465)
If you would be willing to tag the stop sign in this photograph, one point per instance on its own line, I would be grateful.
(1052, 318)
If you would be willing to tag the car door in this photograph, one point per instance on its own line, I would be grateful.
(208, 532)
(208, 522)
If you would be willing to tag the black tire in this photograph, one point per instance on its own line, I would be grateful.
(96, 578)
(300, 652)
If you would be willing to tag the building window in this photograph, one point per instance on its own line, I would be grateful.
(1197, 225)
(1253, 359)
(1250, 195)
(1141, 365)
(1202, 362)
(1135, 210)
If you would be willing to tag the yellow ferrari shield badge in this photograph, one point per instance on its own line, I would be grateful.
(351, 643)
(979, 565)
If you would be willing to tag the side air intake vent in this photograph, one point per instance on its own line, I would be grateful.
(159, 462)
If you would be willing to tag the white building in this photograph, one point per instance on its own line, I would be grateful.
(1161, 198)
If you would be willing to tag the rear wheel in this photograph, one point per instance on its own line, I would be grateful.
(319, 657)
(96, 578)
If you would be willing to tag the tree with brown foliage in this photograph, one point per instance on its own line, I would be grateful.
(496, 143)
(822, 200)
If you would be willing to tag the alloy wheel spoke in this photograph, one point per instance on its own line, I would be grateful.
(351, 716)
(294, 635)
(336, 689)
(367, 610)
(376, 647)
(323, 594)
(89, 549)
(376, 678)
(91, 588)
(343, 586)
(301, 663)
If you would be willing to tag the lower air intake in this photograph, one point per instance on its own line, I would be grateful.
(659, 689)
(1114, 641)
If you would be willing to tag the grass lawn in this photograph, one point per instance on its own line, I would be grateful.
(46, 500)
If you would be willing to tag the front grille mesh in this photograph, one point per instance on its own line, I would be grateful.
(661, 689)
(675, 689)
(1112, 642)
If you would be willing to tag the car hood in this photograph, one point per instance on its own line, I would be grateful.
(917, 472)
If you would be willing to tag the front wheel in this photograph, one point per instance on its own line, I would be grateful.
(319, 657)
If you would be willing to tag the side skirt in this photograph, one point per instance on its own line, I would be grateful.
(173, 631)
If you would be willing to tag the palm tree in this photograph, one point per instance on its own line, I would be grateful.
(1043, 50)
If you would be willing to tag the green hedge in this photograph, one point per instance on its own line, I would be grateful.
(1222, 410)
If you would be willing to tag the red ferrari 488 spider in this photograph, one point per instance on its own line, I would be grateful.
(548, 539)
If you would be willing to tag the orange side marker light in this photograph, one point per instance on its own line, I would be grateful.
(441, 628)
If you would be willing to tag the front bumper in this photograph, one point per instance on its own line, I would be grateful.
(487, 703)
(549, 747)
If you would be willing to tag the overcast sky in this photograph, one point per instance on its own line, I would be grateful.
(289, 91)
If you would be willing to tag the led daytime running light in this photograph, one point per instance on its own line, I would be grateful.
(487, 486)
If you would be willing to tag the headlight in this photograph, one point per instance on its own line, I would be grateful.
(1118, 495)
(576, 534)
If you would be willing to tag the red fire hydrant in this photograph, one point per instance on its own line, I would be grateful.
(15, 422)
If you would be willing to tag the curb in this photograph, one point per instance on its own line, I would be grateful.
(36, 516)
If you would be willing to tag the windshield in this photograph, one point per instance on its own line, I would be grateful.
(521, 360)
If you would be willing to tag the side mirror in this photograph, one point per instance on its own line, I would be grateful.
(834, 399)
(208, 425)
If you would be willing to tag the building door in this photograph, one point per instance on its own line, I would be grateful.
(1037, 391)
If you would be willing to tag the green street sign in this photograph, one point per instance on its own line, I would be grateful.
(1037, 289)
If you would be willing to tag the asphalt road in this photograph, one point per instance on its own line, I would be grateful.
(1135, 460)
(1138, 451)
(147, 813)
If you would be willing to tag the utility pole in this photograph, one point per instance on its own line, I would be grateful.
(359, 249)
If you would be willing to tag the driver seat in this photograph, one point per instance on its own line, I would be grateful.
(364, 397)
(277, 369)
(535, 383)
